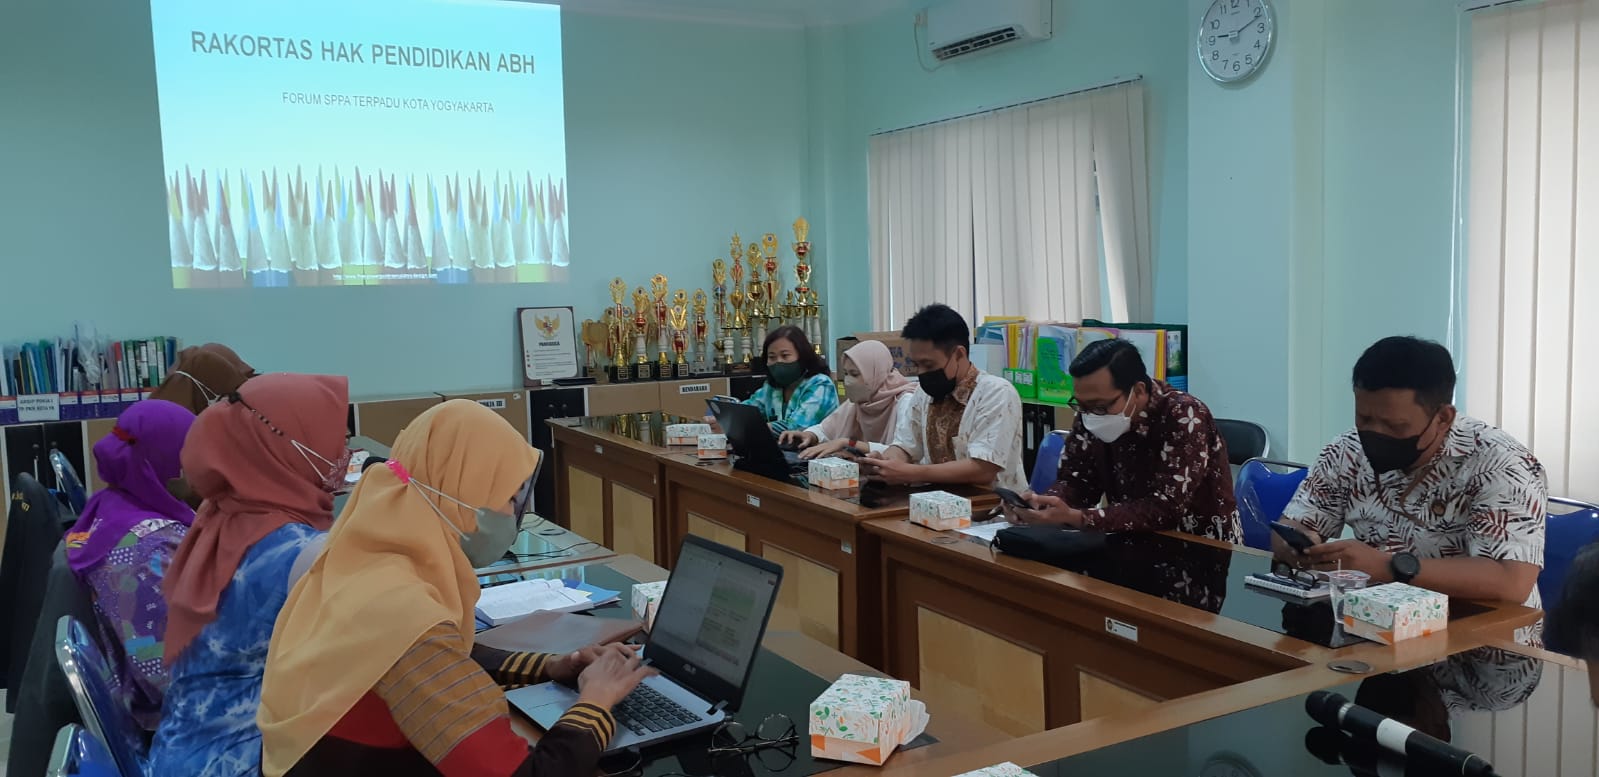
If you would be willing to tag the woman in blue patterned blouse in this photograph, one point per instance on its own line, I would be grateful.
(798, 392)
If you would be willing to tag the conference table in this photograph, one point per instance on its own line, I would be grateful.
(1156, 632)
(618, 482)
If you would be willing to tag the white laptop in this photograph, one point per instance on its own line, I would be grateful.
(707, 631)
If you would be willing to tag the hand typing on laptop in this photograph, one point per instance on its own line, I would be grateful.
(604, 674)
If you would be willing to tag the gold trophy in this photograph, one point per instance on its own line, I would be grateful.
(773, 282)
(596, 336)
(736, 352)
(757, 327)
(724, 341)
(617, 317)
(701, 331)
(641, 333)
(802, 273)
(679, 316)
(663, 341)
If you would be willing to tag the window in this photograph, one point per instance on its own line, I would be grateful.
(1001, 213)
(1531, 236)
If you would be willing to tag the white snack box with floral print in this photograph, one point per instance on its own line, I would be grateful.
(941, 510)
(834, 474)
(685, 434)
(863, 719)
(646, 598)
(1394, 612)
(713, 446)
(1006, 769)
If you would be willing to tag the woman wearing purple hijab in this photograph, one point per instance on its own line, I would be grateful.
(122, 545)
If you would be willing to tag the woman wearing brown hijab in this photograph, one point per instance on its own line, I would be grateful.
(204, 375)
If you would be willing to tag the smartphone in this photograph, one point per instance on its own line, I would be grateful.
(1011, 498)
(1295, 538)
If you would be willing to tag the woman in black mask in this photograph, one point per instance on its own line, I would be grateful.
(798, 392)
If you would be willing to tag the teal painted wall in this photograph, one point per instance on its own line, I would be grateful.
(1095, 41)
(678, 134)
(1390, 151)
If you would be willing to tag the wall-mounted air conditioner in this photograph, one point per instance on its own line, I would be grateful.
(956, 28)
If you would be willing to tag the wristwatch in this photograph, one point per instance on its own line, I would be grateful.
(1404, 567)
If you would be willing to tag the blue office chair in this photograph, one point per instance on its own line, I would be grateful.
(1572, 526)
(1047, 465)
(78, 754)
(89, 675)
(1263, 490)
(67, 481)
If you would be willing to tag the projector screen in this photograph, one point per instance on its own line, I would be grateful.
(355, 143)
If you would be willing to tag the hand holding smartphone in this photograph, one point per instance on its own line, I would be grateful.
(1295, 538)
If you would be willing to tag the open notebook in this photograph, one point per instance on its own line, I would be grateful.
(502, 603)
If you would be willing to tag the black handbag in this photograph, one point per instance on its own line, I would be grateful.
(1055, 545)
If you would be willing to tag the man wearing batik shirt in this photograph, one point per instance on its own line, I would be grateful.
(1152, 452)
(1436, 499)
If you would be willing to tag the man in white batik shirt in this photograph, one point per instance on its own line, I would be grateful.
(1435, 499)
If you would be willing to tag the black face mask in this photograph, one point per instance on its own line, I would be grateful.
(937, 383)
(1387, 453)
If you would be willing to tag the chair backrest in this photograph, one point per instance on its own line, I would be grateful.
(67, 481)
(89, 675)
(1047, 465)
(77, 753)
(1245, 440)
(33, 527)
(1263, 490)
(1572, 526)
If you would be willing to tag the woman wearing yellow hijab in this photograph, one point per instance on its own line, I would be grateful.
(372, 666)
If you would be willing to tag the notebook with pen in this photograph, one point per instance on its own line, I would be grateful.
(1289, 585)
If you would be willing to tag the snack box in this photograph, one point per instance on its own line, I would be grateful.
(713, 446)
(834, 474)
(1394, 612)
(941, 510)
(1006, 769)
(861, 719)
(685, 434)
(646, 598)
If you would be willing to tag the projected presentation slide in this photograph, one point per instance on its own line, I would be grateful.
(354, 143)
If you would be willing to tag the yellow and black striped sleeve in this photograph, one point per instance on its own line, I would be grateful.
(513, 669)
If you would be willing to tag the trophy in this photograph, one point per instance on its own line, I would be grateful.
(724, 342)
(769, 249)
(679, 316)
(641, 332)
(701, 330)
(756, 289)
(658, 288)
(735, 346)
(617, 318)
(596, 336)
(809, 310)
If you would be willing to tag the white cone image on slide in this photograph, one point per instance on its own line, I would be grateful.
(393, 249)
(226, 241)
(415, 257)
(541, 228)
(346, 225)
(558, 225)
(372, 245)
(255, 255)
(177, 235)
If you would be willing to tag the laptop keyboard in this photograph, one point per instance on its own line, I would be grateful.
(646, 711)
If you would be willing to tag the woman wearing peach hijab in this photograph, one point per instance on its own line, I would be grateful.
(874, 392)
(373, 667)
(266, 461)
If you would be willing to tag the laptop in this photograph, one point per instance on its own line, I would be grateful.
(708, 628)
(753, 441)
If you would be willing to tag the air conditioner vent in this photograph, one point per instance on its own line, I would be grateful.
(975, 43)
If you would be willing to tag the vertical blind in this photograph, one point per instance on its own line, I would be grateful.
(1532, 235)
(1002, 213)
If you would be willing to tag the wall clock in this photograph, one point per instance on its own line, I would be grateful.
(1234, 39)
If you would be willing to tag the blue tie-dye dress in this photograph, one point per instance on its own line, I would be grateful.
(208, 725)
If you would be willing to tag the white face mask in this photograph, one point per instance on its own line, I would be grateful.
(1110, 427)
(856, 390)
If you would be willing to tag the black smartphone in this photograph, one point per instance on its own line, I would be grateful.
(1295, 538)
(1011, 498)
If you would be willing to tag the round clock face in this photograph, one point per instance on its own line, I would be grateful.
(1234, 38)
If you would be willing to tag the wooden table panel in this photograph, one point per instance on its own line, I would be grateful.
(808, 600)
(585, 512)
(633, 523)
(1100, 697)
(717, 532)
(971, 669)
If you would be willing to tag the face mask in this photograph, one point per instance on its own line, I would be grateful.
(856, 390)
(1387, 454)
(784, 374)
(1112, 426)
(330, 474)
(211, 397)
(937, 383)
(496, 531)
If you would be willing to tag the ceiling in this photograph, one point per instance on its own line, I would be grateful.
(773, 13)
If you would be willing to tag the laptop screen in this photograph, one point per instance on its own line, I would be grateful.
(714, 612)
